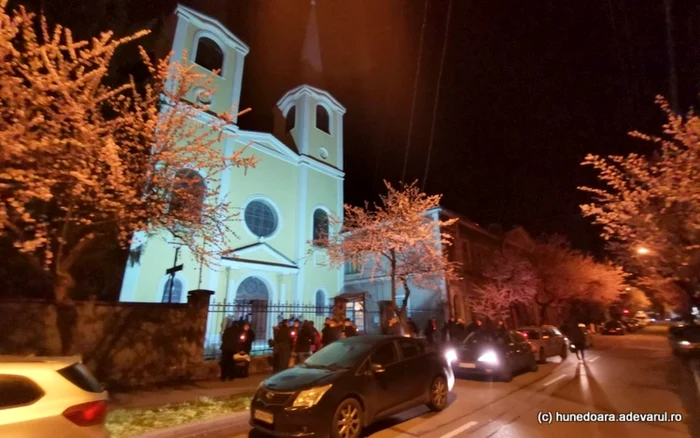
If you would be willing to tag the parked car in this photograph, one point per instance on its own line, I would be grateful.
(614, 327)
(349, 385)
(50, 397)
(547, 341)
(493, 353)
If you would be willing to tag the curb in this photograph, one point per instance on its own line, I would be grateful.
(198, 428)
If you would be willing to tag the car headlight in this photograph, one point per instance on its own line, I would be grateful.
(684, 343)
(310, 397)
(488, 357)
(451, 355)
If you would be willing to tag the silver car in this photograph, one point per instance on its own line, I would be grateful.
(547, 341)
(50, 397)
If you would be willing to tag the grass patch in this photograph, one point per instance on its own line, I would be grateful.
(123, 423)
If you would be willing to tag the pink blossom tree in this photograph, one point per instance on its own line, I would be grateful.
(510, 279)
(400, 238)
(81, 159)
(648, 205)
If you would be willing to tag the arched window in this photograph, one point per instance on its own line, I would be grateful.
(290, 120)
(320, 234)
(209, 54)
(322, 119)
(252, 298)
(260, 218)
(173, 295)
(187, 195)
(321, 308)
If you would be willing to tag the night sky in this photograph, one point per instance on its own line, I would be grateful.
(528, 88)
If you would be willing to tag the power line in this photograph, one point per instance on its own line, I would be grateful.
(415, 90)
(437, 94)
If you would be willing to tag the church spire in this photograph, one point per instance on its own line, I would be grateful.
(311, 65)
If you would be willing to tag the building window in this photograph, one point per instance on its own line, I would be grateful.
(352, 267)
(321, 226)
(187, 195)
(290, 119)
(320, 303)
(174, 295)
(260, 218)
(209, 54)
(322, 119)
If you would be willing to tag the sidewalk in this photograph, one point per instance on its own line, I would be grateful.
(184, 392)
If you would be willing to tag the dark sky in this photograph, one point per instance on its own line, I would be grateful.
(528, 89)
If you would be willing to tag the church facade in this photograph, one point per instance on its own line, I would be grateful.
(284, 203)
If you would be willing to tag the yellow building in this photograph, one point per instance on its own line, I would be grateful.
(296, 186)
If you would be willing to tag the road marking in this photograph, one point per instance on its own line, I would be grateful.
(554, 380)
(593, 359)
(459, 430)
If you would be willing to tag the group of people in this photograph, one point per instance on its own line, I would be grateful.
(236, 343)
(293, 344)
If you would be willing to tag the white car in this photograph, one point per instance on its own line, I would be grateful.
(50, 397)
(547, 341)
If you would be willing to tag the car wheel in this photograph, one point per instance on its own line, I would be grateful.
(533, 365)
(347, 420)
(507, 374)
(438, 394)
(564, 353)
(541, 356)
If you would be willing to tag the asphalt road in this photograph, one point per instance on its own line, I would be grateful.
(632, 373)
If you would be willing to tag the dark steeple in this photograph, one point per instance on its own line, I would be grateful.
(311, 65)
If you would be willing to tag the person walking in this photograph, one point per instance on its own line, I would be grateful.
(578, 338)
(229, 344)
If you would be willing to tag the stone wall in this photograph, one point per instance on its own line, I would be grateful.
(124, 344)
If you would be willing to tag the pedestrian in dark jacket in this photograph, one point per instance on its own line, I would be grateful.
(304, 340)
(412, 327)
(283, 344)
(446, 329)
(474, 326)
(331, 332)
(317, 345)
(458, 332)
(229, 344)
(578, 338)
(430, 331)
(349, 329)
(246, 339)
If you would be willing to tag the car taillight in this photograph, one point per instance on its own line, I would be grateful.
(87, 414)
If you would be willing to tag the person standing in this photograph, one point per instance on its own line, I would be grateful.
(283, 342)
(331, 332)
(412, 327)
(394, 328)
(302, 345)
(430, 330)
(317, 344)
(447, 330)
(245, 346)
(229, 344)
(349, 329)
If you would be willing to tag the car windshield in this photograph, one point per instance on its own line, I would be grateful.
(483, 336)
(339, 355)
(532, 335)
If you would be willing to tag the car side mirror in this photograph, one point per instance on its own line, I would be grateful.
(377, 369)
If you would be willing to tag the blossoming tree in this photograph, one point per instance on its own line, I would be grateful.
(398, 239)
(649, 206)
(81, 159)
(510, 279)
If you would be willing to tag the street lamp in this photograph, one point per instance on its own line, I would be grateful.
(642, 250)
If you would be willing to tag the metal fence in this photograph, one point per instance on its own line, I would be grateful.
(263, 316)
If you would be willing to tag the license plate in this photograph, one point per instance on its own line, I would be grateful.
(263, 416)
(467, 365)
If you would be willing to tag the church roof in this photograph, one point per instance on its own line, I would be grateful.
(311, 72)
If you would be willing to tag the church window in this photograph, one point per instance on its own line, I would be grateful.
(320, 224)
(209, 54)
(174, 295)
(290, 119)
(260, 218)
(321, 308)
(187, 195)
(322, 119)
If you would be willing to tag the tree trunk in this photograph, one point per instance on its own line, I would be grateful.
(66, 313)
(403, 319)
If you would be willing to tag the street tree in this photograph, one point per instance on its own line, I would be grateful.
(567, 276)
(400, 238)
(81, 159)
(510, 279)
(634, 299)
(648, 207)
